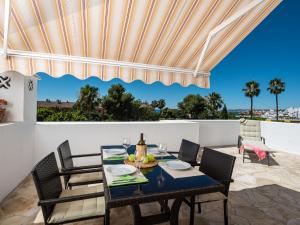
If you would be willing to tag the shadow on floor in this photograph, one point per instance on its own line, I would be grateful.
(254, 159)
(269, 204)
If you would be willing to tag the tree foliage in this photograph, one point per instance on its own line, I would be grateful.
(67, 116)
(224, 113)
(193, 107)
(88, 103)
(276, 87)
(160, 104)
(214, 104)
(251, 90)
(45, 114)
(120, 105)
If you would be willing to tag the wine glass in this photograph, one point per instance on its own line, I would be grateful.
(126, 143)
(160, 179)
(139, 157)
(162, 148)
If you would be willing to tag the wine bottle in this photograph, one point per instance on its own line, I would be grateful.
(141, 147)
(141, 141)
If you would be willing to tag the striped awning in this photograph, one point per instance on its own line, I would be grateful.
(148, 40)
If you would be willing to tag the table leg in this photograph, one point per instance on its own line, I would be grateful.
(171, 216)
(137, 216)
(107, 217)
(175, 211)
(192, 210)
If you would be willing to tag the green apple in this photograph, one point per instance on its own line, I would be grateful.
(131, 157)
(145, 161)
(151, 157)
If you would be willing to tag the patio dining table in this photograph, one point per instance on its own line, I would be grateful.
(161, 187)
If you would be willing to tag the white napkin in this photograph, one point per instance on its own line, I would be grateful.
(181, 173)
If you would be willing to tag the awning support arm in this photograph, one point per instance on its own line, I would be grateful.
(7, 11)
(105, 62)
(222, 26)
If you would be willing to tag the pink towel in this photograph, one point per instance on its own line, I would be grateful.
(258, 151)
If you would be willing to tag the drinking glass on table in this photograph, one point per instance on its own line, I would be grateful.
(126, 143)
(139, 157)
(162, 148)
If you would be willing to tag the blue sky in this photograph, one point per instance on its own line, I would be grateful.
(271, 50)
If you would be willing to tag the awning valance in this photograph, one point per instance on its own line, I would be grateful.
(156, 40)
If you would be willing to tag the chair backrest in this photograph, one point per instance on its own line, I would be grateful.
(218, 166)
(188, 151)
(65, 155)
(47, 181)
(250, 130)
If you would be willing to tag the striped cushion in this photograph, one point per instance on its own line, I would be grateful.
(249, 144)
(250, 130)
(67, 211)
(85, 177)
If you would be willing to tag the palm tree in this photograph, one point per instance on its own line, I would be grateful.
(251, 90)
(276, 87)
(215, 103)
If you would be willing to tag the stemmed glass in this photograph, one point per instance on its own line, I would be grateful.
(139, 158)
(126, 143)
(162, 148)
(160, 179)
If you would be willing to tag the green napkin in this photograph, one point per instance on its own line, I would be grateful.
(115, 157)
(127, 179)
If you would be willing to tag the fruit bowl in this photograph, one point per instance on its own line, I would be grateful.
(143, 165)
(146, 164)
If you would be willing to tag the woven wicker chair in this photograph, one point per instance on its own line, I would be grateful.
(65, 206)
(84, 174)
(218, 166)
(188, 152)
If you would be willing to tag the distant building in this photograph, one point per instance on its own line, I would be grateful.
(293, 112)
(55, 104)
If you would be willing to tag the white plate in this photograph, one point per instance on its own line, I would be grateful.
(115, 151)
(120, 170)
(178, 165)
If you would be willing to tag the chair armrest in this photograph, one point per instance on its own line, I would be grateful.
(227, 181)
(85, 155)
(196, 164)
(172, 152)
(70, 198)
(63, 172)
(240, 139)
(83, 167)
(263, 140)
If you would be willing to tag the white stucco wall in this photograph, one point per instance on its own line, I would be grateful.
(16, 154)
(87, 137)
(282, 136)
(218, 132)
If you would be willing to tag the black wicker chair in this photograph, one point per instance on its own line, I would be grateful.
(65, 206)
(218, 166)
(84, 174)
(188, 152)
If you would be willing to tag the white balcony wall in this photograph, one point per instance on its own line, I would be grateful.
(86, 137)
(282, 136)
(218, 132)
(16, 154)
